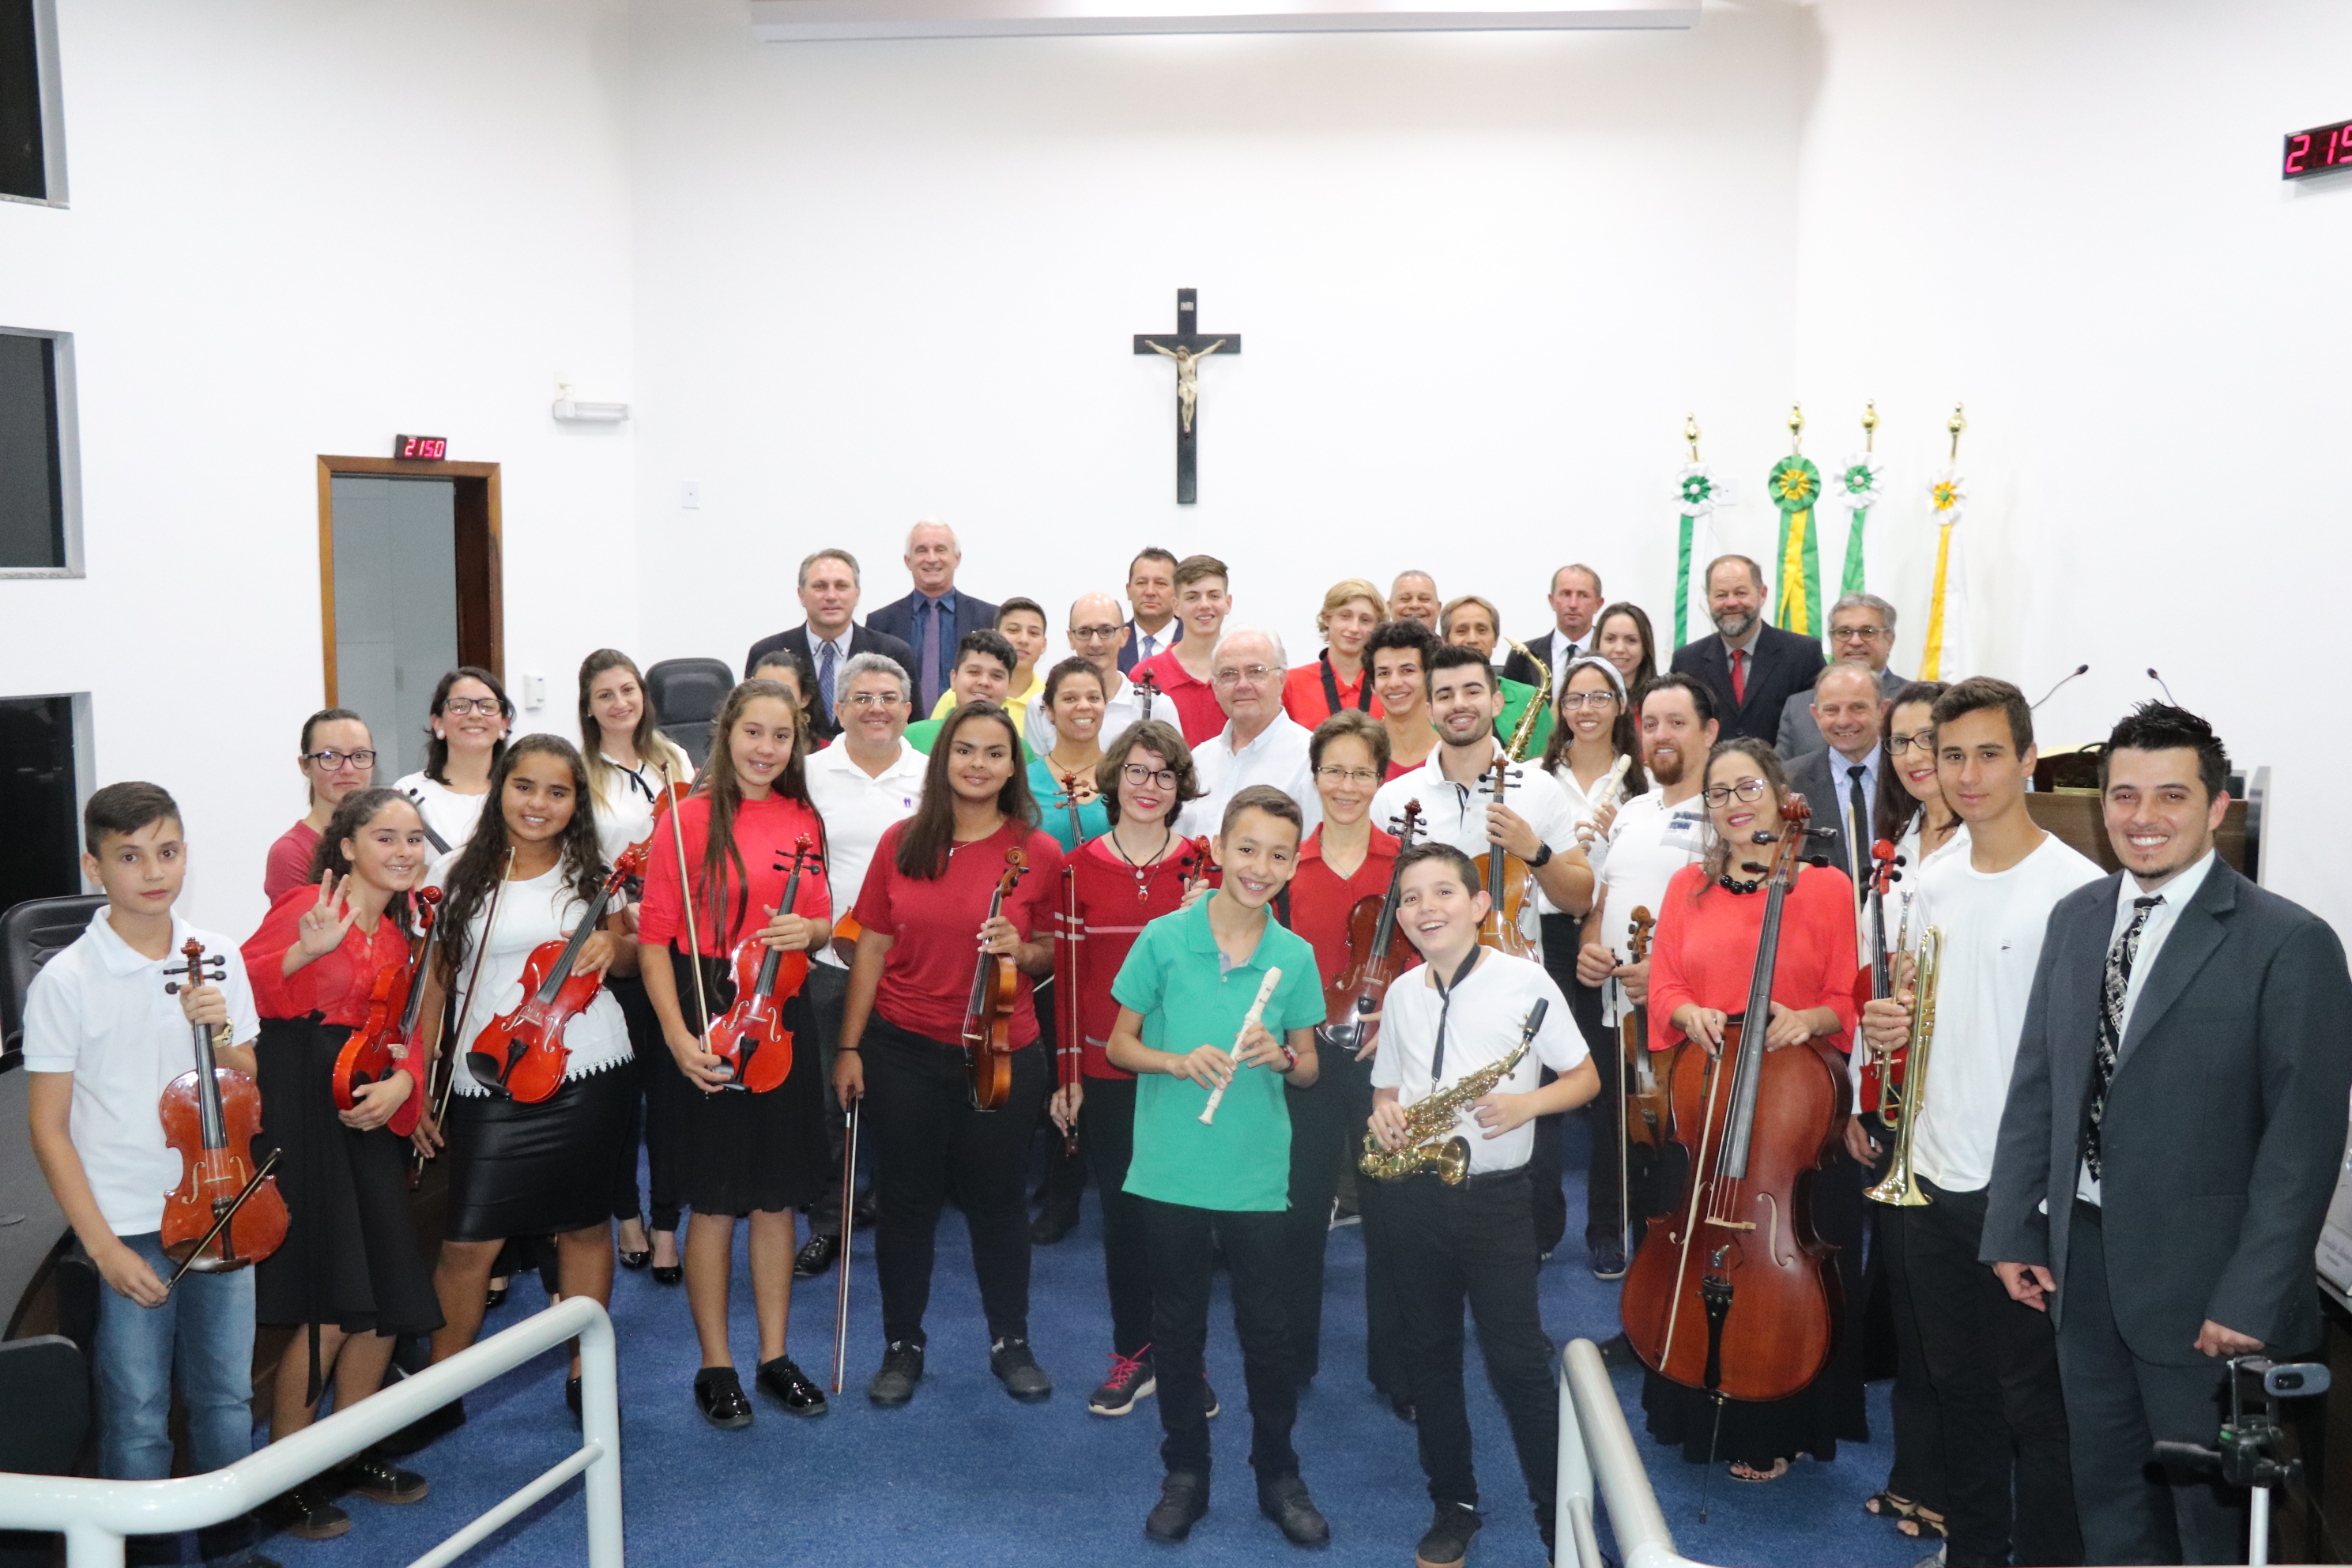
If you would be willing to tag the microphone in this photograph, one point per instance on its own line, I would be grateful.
(2078, 669)
(2168, 691)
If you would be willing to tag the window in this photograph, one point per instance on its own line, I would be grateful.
(41, 792)
(40, 510)
(32, 125)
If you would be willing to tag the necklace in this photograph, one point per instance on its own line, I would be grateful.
(1143, 872)
(1737, 886)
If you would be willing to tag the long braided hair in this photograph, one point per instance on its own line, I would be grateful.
(483, 861)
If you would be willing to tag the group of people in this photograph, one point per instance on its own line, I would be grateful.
(1154, 859)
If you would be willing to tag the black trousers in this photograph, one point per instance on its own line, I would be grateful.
(1917, 1473)
(1548, 1202)
(930, 1145)
(1107, 1139)
(1318, 1126)
(1183, 1243)
(2118, 1408)
(825, 989)
(1993, 1363)
(654, 1117)
(1470, 1243)
(1350, 1080)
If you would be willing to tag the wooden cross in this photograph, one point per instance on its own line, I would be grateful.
(1188, 347)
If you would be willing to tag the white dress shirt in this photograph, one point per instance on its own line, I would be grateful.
(1147, 644)
(857, 808)
(1457, 813)
(1564, 651)
(1278, 756)
(1122, 709)
(1483, 1017)
(2175, 895)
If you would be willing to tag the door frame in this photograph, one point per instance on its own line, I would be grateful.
(481, 606)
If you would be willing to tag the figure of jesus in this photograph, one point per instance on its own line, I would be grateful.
(1188, 375)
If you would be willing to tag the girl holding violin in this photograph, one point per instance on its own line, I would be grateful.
(969, 878)
(1072, 805)
(717, 881)
(467, 730)
(635, 773)
(337, 760)
(349, 1275)
(1701, 971)
(1122, 880)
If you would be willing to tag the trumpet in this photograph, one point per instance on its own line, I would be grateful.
(1427, 1148)
(1906, 1079)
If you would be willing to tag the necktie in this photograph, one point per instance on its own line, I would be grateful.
(1150, 644)
(1857, 833)
(2114, 986)
(928, 678)
(1739, 677)
(824, 678)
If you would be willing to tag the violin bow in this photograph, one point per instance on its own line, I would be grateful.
(685, 901)
(848, 1224)
(226, 1214)
(448, 1052)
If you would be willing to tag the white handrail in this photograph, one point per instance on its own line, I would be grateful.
(1595, 1442)
(95, 1515)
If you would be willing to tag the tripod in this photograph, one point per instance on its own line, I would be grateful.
(2249, 1440)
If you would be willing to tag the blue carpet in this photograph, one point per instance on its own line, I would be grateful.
(965, 1476)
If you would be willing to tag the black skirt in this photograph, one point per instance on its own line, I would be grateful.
(350, 1256)
(537, 1170)
(747, 1152)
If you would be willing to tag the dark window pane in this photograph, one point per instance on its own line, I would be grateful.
(21, 169)
(37, 800)
(32, 488)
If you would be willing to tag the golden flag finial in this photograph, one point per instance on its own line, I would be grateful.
(1870, 425)
(1956, 424)
(1690, 433)
(1796, 428)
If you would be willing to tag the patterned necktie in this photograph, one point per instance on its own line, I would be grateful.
(2114, 986)
(1857, 833)
(824, 678)
(1739, 677)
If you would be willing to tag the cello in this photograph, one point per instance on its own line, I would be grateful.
(987, 1016)
(1510, 881)
(1376, 953)
(752, 1037)
(224, 1213)
(521, 1053)
(380, 1046)
(1731, 1292)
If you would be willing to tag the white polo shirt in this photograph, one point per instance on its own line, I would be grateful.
(856, 808)
(1277, 757)
(1123, 709)
(1482, 1020)
(1457, 813)
(1648, 843)
(98, 1011)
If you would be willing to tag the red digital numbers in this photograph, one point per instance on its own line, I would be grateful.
(421, 448)
(2298, 148)
(2317, 149)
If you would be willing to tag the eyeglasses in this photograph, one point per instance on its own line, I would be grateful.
(456, 707)
(331, 761)
(1138, 775)
(1255, 674)
(1348, 775)
(1749, 790)
(1899, 744)
(1856, 634)
(1583, 699)
(873, 699)
(1096, 634)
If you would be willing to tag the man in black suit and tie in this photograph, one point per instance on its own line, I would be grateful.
(1575, 599)
(934, 618)
(1841, 779)
(1862, 631)
(829, 638)
(1151, 595)
(2173, 1133)
(1753, 668)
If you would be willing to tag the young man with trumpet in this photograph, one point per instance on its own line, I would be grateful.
(1464, 1039)
(1992, 1362)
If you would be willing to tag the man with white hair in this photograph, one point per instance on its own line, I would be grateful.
(934, 618)
(1260, 743)
(1862, 631)
(1099, 636)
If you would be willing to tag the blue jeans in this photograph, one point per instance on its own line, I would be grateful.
(203, 1331)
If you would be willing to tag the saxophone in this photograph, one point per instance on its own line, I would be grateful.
(1525, 730)
(1428, 1149)
(1901, 1187)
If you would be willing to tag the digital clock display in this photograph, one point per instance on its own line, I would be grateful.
(424, 449)
(2317, 151)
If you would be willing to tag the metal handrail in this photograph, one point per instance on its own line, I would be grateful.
(96, 1515)
(1595, 1442)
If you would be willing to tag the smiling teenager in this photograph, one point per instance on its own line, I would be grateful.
(1203, 600)
(467, 729)
(1398, 655)
(1337, 680)
(337, 760)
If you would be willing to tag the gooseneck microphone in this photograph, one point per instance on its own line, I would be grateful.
(2167, 689)
(2078, 669)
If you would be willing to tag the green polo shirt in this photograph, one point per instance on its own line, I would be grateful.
(924, 733)
(1176, 978)
(1516, 695)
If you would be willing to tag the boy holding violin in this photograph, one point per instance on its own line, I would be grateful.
(103, 1039)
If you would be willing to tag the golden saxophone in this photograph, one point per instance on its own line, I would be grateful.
(1428, 1148)
(1901, 1187)
(1525, 730)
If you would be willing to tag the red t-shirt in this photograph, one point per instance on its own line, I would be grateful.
(1321, 900)
(926, 980)
(1115, 904)
(765, 833)
(1197, 713)
(288, 866)
(1705, 949)
(1304, 699)
(338, 985)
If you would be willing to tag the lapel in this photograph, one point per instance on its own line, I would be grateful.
(2075, 1009)
(1540, 649)
(2195, 934)
(1764, 657)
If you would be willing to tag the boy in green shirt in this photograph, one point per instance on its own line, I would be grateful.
(1184, 993)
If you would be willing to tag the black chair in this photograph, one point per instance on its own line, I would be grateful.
(44, 1386)
(31, 933)
(688, 694)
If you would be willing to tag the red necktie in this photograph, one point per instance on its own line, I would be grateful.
(1739, 677)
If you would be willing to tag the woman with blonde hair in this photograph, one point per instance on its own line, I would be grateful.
(1335, 681)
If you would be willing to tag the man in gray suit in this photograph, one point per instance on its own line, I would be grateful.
(2173, 1131)
(1862, 631)
(1839, 780)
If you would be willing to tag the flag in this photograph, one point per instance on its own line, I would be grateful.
(1858, 489)
(1796, 489)
(1946, 656)
(1697, 493)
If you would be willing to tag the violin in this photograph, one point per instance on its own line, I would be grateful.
(1646, 1106)
(1731, 1291)
(751, 1038)
(521, 1053)
(988, 1017)
(1509, 882)
(1882, 1071)
(224, 1213)
(380, 1046)
(1376, 953)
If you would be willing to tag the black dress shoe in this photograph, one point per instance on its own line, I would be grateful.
(720, 1392)
(495, 1299)
(379, 1480)
(670, 1275)
(1183, 1499)
(816, 1256)
(782, 1381)
(635, 1259)
(1284, 1500)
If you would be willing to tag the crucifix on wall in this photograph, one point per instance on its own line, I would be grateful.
(1188, 346)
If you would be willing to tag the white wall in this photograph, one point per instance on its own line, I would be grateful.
(298, 227)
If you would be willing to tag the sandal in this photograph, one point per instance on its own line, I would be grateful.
(1741, 1470)
(1922, 1525)
(1886, 1505)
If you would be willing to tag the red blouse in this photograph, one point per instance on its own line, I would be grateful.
(288, 865)
(338, 985)
(765, 832)
(1197, 711)
(1115, 904)
(1304, 699)
(1320, 900)
(926, 980)
(1704, 950)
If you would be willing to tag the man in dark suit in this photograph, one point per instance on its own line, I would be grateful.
(829, 638)
(1862, 631)
(1154, 627)
(934, 618)
(1575, 599)
(1840, 781)
(2173, 1132)
(1753, 668)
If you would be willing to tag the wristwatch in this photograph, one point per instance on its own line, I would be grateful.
(1543, 857)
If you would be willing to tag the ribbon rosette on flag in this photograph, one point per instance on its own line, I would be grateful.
(1796, 490)
(1948, 601)
(1697, 493)
(1857, 487)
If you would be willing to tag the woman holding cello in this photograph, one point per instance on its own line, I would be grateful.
(350, 1276)
(1765, 1230)
(966, 883)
